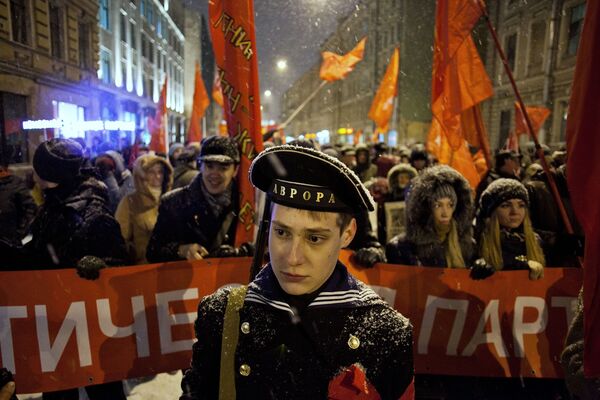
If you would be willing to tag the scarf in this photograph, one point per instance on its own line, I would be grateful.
(218, 202)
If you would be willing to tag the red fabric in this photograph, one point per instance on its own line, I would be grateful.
(217, 95)
(234, 43)
(336, 67)
(409, 393)
(352, 384)
(459, 79)
(201, 103)
(157, 125)
(583, 147)
(383, 103)
(537, 116)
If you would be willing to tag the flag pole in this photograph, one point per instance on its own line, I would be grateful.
(301, 106)
(538, 147)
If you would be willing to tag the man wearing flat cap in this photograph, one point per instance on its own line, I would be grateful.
(199, 220)
(304, 328)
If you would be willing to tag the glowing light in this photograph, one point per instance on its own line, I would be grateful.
(268, 93)
(282, 65)
(79, 125)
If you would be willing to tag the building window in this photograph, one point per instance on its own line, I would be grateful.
(104, 14)
(143, 8)
(18, 15)
(133, 38)
(536, 46)
(123, 28)
(575, 23)
(564, 107)
(56, 39)
(105, 62)
(159, 26)
(511, 50)
(150, 13)
(84, 46)
(504, 128)
(71, 114)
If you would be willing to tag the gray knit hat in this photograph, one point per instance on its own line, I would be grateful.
(498, 192)
(442, 191)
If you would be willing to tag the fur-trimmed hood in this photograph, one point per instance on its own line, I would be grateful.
(420, 227)
(398, 169)
(141, 167)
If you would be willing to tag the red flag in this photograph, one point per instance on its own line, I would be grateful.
(336, 67)
(158, 126)
(201, 103)
(234, 42)
(459, 78)
(537, 116)
(512, 142)
(383, 103)
(583, 177)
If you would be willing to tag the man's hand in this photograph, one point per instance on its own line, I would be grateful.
(7, 388)
(192, 251)
(369, 256)
(225, 250)
(89, 267)
(481, 270)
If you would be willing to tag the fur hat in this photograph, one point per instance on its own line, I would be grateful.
(420, 227)
(498, 192)
(305, 178)
(220, 149)
(58, 160)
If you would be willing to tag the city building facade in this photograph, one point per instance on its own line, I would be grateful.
(540, 39)
(340, 108)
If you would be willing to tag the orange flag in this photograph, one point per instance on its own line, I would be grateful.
(583, 178)
(459, 79)
(383, 102)
(460, 159)
(234, 43)
(201, 103)
(217, 95)
(474, 132)
(158, 125)
(335, 67)
(537, 116)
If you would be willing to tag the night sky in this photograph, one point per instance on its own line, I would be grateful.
(292, 30)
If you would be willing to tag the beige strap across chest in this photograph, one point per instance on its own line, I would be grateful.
(229, 341)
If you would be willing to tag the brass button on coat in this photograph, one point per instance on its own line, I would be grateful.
(353, 342)
(244, 370)
(245, 328)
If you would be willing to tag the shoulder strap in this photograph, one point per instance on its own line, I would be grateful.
(229, 341)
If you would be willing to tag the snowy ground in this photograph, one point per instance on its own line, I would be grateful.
(162, 387)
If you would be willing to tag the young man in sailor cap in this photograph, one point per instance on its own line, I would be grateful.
(304, 328)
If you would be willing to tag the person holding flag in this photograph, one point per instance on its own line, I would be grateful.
(200, 220)
(304, 328)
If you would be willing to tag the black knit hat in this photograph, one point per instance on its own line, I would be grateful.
(58, 160)
(308, 179)
(498, 192)
(220, 149)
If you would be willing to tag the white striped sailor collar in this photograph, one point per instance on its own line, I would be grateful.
(342, 290)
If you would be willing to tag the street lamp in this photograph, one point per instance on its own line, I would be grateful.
(268, 93)
(281, 65)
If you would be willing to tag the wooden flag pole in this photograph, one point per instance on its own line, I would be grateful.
(540, 151)
(301, 106)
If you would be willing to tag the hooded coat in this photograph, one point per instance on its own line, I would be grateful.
(73, 222)
(396, 192)
(366, 170)
(420, 244)
(137, 212)
(120, 183)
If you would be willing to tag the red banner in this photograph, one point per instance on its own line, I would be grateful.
(59, 331)
(234, 43)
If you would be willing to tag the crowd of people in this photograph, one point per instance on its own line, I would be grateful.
(117, 209)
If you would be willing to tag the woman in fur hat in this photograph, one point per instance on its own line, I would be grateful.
(439, 210)
(137, 212)
(507, 240)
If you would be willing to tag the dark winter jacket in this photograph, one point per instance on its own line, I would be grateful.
(514, 250)
(73, 222)
(420, 245)
(183, 175)
(294, 355)
(366, 170)
(17, 208)
(185, 217)
(120, 183)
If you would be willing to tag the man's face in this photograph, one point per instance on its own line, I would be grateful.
(217, 176)
(349, 160)
(303, 249)
(42, 183)
(512, 167)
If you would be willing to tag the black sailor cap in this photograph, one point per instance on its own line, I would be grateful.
(308, 179)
